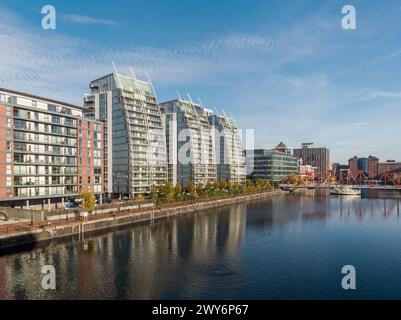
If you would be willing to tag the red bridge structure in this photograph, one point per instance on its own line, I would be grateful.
(357, 179)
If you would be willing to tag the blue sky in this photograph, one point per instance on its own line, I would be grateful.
(284, 68)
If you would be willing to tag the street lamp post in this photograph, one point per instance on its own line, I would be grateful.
(31, 215)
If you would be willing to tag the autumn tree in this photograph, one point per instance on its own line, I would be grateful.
(209, 189)
(191, 188)
(154, 194)
(177, 191)
(168, 192)
(249, 186)
(88, 201)
(140, 198)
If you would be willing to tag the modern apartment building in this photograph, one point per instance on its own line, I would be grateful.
(230, 158)
(50, 152)
(313, 156)
(135, 149)
(171, 132)
(272, 165)
(190, 142)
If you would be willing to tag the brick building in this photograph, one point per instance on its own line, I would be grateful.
(50, 152)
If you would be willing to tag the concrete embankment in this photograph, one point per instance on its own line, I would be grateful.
(48, 232)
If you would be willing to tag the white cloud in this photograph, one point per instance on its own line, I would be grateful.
(251, 70)
(47, 62)
(370, 94)
(82, 19)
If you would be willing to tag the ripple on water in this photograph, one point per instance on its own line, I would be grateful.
(211, 279)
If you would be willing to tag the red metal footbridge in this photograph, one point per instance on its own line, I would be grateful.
(357, 179)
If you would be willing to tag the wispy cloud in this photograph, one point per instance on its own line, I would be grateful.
(370, 94)
(268, 80)
(82, 19)
(394, 54)
(52, 62)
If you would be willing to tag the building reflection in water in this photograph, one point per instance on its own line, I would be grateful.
(178, 257)
(144, 262)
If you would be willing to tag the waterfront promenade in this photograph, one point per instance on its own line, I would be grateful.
(29, 232)
(272, 247)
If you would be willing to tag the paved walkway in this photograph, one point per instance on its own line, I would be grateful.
(27, 225)
(8, 227)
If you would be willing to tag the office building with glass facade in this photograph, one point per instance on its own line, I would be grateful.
(135, 148)
(229, 152)
(190, 142)
(272, 165)
(50, 152)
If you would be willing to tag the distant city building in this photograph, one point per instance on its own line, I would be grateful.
(353, 164)
(373, 167)
(340, 171)
(189, 131)
(271, 164)
(229, 152)
(305, 170)
(363, 164)
(388, 167)
(313, 156)
(368, 165)
(281, 147)
(50, 153)
(135, 150)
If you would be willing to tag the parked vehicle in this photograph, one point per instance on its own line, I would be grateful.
(69, 204)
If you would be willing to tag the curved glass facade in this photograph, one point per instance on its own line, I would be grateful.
(229, 151)
(136, 149)
(192, 140)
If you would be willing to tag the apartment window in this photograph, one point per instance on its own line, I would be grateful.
(8, 182)
(66, 110)
(56, 119)
(69, 122)
(11, 99)
(52, 107)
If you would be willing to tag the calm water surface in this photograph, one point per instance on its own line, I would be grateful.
(290, 247)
